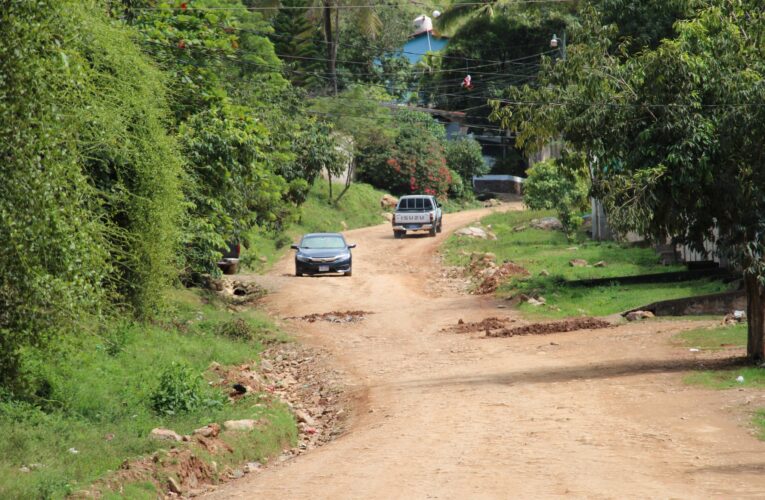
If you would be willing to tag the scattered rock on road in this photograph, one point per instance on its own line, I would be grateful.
(569, 325)
(577, 263)
(491, 323)
(334, 317)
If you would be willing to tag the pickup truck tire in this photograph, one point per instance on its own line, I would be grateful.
(440, 226)
(349, 273)
(399, 234)
(298, 271)
(432, 231)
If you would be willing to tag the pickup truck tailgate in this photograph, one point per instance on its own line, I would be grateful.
(413, 218)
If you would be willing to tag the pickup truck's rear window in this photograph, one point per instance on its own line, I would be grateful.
(415, 204)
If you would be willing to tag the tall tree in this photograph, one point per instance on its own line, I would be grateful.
(297, 41)
(673, 134)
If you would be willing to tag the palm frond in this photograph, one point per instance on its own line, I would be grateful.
(369, 22)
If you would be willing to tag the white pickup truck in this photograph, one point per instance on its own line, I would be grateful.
(417, 213)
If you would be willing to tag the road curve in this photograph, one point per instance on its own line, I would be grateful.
(600, 414)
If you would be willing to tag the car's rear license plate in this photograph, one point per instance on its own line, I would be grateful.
(323, 269)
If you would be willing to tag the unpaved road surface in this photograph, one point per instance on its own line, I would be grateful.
(598, 414)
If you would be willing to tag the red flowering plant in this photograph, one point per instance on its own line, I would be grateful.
(411, 162)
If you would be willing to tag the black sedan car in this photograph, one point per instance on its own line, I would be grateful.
(323, 253)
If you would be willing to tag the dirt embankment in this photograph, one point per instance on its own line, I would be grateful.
(289, 374)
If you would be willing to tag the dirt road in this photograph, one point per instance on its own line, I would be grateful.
(599, 414)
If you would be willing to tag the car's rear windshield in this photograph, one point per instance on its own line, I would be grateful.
(327, 242)
(415, 204)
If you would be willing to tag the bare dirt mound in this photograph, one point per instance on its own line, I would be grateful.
(489, 275)
(484, 325)
(334, 317)
(568, 325)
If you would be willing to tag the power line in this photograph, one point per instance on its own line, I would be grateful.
(280, 69)
(190, 8)
(337, 114)
(438, 54)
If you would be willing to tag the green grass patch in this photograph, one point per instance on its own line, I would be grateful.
(712, 339)
(550, 251)
(359, 207)
(565, 301)
(759, 422)
(754, 376)
(452, 206)
(97, 399)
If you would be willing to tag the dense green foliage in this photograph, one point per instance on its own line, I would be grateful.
(128, 156)
(92, 195)
(565, 189)
(464, 156)
(677, 152)
(233, 189)
(412, 161)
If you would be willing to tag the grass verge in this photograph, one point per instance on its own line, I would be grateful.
(722, 337)
(359, 207)
(546, 255)
(94, 404)
(712, 339)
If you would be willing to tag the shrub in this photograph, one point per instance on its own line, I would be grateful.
(465, 157)
(561, 185)
(236, 329)
(457, 186)
(411, 162)
(180, 390)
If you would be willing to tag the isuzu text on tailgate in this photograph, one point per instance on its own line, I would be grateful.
(417, 213)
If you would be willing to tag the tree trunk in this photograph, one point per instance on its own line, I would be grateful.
(335, 44)
(348, 180)
(755, 315)
(329, 179)
(330, 40)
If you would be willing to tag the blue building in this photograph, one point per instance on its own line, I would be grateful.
(419, 45)
(423, 40)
